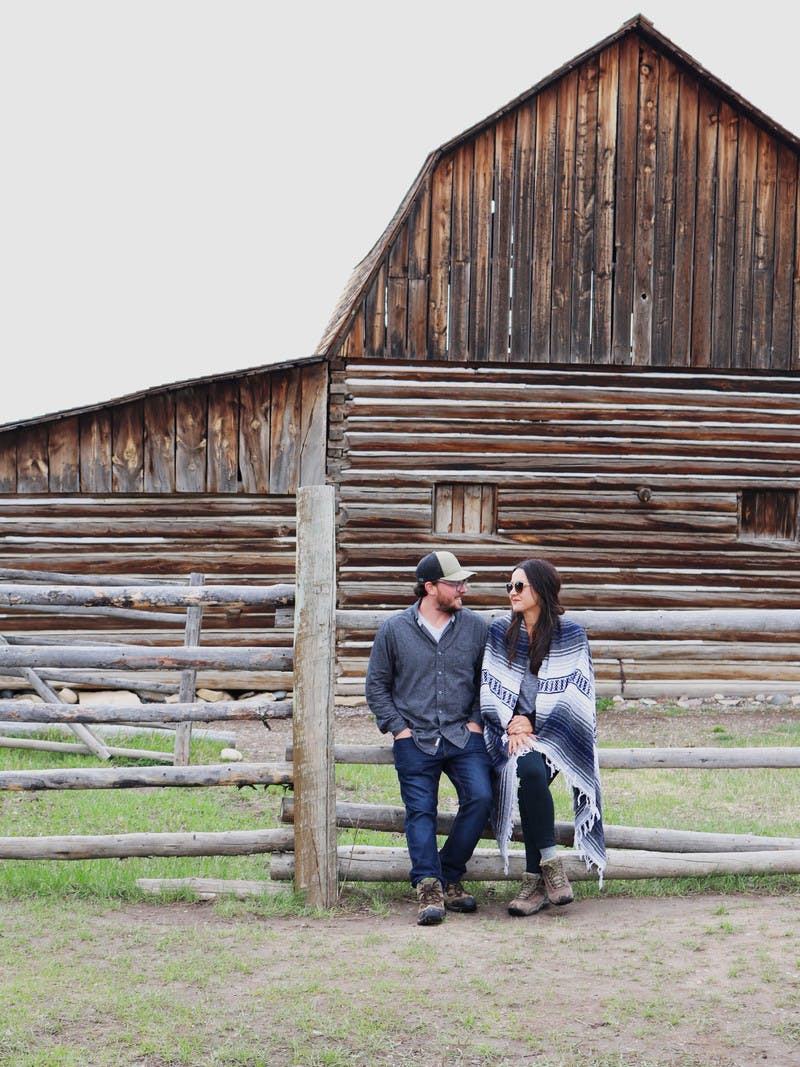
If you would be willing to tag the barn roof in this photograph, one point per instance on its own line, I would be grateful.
(640, 26)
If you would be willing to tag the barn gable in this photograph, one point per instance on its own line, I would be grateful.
(631, 209)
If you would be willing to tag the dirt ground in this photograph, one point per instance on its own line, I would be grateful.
(706, 979)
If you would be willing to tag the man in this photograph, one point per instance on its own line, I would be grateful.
(422, 686)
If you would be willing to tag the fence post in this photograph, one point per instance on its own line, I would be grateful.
(194, 618)
(314, 657)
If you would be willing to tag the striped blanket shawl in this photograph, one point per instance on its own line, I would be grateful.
(566, 730)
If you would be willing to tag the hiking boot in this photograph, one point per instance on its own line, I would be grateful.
(556, 883)
(456, 898)
(532, 896)
(431, 902)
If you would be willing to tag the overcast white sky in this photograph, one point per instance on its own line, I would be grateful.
(185, 185)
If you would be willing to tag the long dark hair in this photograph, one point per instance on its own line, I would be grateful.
(546, 583)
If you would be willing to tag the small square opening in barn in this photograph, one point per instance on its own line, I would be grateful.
(463, 508)
(768, 514)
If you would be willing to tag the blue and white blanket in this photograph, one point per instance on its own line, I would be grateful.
(566, 730)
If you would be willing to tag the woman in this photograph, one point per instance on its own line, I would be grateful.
(537, 701)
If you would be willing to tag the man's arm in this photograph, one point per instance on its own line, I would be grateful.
(380, 684)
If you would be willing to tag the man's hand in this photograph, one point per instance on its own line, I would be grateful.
(403, 733)
(474, 727)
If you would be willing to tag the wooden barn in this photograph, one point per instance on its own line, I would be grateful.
(578, 337)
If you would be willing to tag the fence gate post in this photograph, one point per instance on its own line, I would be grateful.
(313, 716)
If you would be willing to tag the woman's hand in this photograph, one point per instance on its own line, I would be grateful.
(520, 735)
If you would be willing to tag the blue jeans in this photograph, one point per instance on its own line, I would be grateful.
(419, 774)
(536, 808)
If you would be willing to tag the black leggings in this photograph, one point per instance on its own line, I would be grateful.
(536, 808)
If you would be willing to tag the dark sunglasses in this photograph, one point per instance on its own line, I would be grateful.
(517, 586)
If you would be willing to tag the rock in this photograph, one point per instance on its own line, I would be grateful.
(33, 698)
(280, 694)
(350, 702)
(617, 699)
(648, 703)
(69, 696)
(173, 698)
(119, 698)
(212, 695)
(796, 700)
(233, 755)
(779, 699)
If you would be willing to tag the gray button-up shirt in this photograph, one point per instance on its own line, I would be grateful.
(430, 687)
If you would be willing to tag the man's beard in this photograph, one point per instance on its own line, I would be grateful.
(449, 607)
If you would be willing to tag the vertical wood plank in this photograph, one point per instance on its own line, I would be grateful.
(95, 445)
(32, 468)
(724, 250)
(742, 310)
(784, 259)
(473, 501)
(313, 717)
(461, 236)
(159, 443)
(488, 509)
(500, 277)
(352, 346)
(223, 437)
(375, 315)
(603, 282)
(313, 424)
(585, 202)
(284, 466)
(398, 294)
(441, 209)
(543, 222)
(191, 439)
(563, 216)
(480, 282)
(457, 521)
(62, 448)
(664, 230)
(254, 433)
(127, 459)
(523, 232)
(419, 226)
(703, 266)
(8, 462)
(685, 212)
(624, 235)
(442, 508)
(764, 250)
(794, 344)
(645, 208)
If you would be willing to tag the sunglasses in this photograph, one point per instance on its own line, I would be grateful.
(517, 586)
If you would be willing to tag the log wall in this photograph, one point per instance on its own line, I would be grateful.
(631, 210)
(630, 482)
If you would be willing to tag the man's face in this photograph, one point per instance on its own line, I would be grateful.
(447, 595)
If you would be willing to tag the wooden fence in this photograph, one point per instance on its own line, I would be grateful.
(307, 850)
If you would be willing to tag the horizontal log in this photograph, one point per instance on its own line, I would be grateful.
(38, 745)
(135, 596)
(122, 846)
(373, 863)
(711, 621)
(624, 758)
(391, 819)
(137, 657)
(238, 774)
(209, 888)
(140, 714)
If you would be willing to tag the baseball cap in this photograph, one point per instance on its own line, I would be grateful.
(441, 565)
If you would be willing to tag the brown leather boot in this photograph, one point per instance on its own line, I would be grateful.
(556, 883)
(531, 897)
(431, 902)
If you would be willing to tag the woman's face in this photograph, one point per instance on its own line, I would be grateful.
(522, 597)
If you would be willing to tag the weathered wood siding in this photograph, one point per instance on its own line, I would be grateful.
(630, 482)
(626, 213)
(258, 433)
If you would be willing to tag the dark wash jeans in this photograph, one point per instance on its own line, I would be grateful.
(419, 775)
(536, 808)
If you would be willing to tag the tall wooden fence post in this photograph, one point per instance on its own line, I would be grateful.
(314, 656)
(194, 618)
